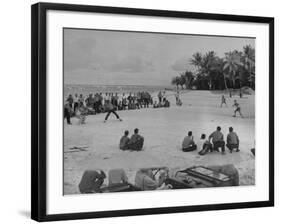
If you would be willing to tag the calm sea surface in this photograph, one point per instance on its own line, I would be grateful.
(87, 89)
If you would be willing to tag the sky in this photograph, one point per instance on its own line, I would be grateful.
(101, 57)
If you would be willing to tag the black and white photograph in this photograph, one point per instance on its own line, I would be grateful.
(148, 111)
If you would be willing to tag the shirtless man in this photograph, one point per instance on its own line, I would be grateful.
(223, 101)
(238, 109)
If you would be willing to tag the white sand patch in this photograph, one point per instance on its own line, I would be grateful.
(163, 130)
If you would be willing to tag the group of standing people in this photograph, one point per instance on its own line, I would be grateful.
(213, 143)
(123, 101)
(79, 105)
(161, 101)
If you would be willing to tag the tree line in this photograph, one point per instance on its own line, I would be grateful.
(235, 70)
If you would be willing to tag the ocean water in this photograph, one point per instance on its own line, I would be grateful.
(87, 89)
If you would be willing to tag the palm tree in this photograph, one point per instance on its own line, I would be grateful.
(196, 60)
(249, 63)
(188, 78)
(208, 66)
(176, 81)
(182, 80)
(231, 65)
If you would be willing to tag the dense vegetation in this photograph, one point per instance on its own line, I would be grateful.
(235, 70)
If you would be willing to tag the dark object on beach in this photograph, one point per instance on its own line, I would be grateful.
(200, 176)
(207, 147)
(79, 147)
(229, 170)
(253, 151)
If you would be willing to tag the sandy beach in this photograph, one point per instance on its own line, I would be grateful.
(163, 130)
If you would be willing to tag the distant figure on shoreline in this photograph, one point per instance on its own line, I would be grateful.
(178, 100)
(75, 100)
(67, 112)
(81, 113)
(238, 109)
(188, 144)
(223, 101)
(160, 96)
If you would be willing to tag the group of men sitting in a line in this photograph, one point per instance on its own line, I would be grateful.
(213, 143)
(92, 180)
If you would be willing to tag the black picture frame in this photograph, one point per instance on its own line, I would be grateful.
(39, 122)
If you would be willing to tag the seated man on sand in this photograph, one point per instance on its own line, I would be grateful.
(124, 141)
(145, 180)
(81, 113)
(136, 141)
(166, 103)
(232, 141)
(206, 146)
(91, 181)
(188, 144)
(217, 138)
(155, 104)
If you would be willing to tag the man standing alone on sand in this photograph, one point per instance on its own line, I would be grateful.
(160, 97)
(110, 109)
(75, 100)
(218, 142)
(238, 109)
(232, 141)
(67, 112)
(223, 101)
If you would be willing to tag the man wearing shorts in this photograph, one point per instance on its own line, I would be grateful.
(238, 109)
(217, 139)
